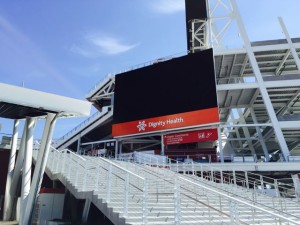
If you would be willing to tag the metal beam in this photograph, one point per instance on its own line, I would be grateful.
(263, 48)
(278, 70)
(16, 175)
(8, 200)
(268, 84)
(290, 43)
(39, 167)
(246, 131)
(260, 81)
(260, 136)
(26, 171)
(289, 124)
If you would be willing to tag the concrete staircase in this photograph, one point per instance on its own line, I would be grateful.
(131, 193)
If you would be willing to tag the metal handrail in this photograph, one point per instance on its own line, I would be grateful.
(142, 174)
(119, 167)
(245, 203)
(240, 201)
(246, 182)
(85, 122)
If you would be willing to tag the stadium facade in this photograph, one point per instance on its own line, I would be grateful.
(213, 110)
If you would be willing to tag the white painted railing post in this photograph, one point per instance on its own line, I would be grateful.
(70, 165)
(234, 217)
(247, 180)
(57, 160)
(97, 177)
(64, 161)
(52, 158)
(277, 190)
(177, 202)
(126, 194)
(76, 174)
(145, 202)
(109, 178)
(261, 182)
(221, 174)
(84, 176)
(234, 177)
(193, 168)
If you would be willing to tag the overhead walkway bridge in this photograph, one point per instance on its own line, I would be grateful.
(150, 193)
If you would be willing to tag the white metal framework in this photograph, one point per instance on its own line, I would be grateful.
(255, 68)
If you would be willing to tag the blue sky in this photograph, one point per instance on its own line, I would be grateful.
(66, 47)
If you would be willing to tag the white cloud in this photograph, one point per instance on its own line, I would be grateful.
(96, 45)
(168, 6)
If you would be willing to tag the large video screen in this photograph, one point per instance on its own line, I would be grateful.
(179, 92)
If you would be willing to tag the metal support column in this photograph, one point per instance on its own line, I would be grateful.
(26, 176)
(116, 149)
(261, 84)
(120, 144)
(162, 145)
(78, 143)
(236, 129)
(220, 144)
(11, 165)
(16, 176)
(86, 211)
(39, 167)
(260, 136)
(246, 131)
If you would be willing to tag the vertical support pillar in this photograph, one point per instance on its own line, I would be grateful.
(16, 176)
(11, 165)
(220, 144)
(120, 147)
(26, 176)
(261, 84)
(78, 144)
(236, 129)
(162, 152)
(260, 136)
(86, 211)
(246, 131)
(39, 166)
(116, 149)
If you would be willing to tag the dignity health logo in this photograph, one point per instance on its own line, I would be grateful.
(158, 124)
(141, 126)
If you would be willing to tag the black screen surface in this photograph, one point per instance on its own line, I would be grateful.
(179, 85)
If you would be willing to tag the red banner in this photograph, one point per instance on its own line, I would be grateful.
(190, 137)
(187, 119)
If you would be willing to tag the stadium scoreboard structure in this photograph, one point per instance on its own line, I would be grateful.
(178, 93)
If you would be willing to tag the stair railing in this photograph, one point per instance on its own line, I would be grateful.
(234, 204)
(131, 182)
(234, 180)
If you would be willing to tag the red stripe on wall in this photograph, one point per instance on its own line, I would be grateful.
(180, 120)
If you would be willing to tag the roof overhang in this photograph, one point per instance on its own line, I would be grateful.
(19, 102)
